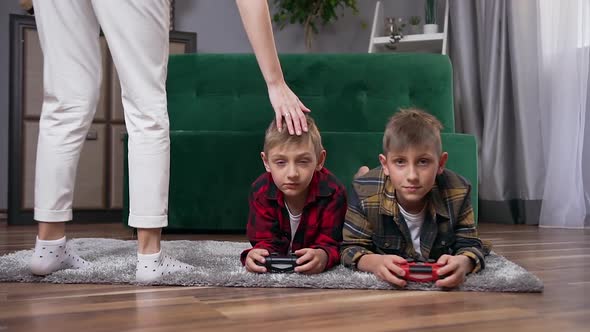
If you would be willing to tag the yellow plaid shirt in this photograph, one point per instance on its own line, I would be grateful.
(375, 225)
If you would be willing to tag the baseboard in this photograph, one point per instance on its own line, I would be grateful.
(516, 211)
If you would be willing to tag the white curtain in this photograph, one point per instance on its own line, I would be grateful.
(521, 84)
(563, 74)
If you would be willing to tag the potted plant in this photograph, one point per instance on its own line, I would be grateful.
(414, 25)
(395, 29)
(430, 25)
(309, 13)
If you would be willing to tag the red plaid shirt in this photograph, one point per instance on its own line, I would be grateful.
(321, 222)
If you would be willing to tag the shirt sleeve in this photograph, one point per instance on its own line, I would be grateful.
(330, 234)
(357, 233)
(263, 228)
(467, 241)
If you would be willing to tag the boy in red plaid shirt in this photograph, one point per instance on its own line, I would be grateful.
(297, 205)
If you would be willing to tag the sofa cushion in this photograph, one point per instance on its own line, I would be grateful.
(346, 92)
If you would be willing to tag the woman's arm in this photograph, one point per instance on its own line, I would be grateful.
(256, 18)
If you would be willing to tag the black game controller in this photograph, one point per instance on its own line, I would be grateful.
(276, 263)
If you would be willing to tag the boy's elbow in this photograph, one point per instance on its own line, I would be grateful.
(345, 257)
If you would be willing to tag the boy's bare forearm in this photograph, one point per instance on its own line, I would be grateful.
(364, 263)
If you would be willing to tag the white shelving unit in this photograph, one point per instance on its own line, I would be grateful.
(432, 43)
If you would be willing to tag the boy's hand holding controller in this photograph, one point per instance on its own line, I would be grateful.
(455, 268)
(385, 267)
(256, 255)
(311, 261)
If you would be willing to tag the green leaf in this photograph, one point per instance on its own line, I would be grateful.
(309, 13)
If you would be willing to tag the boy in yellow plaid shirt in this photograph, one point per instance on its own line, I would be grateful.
(411, 207)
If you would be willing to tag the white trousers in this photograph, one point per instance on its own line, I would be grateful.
(137, 34)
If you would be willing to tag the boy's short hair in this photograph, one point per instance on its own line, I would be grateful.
(412, 127)
(273, 137)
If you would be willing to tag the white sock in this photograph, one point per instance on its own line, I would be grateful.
(154, 267)
(53, 255)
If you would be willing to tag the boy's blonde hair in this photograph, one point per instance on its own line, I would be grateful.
(274, 138)
(412, 127)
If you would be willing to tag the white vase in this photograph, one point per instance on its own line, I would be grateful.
(430, 28)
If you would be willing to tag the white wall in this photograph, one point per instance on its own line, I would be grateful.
(219, 29)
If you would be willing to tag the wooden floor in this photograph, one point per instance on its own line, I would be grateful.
(559, 257)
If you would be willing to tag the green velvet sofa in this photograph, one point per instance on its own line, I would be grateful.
(219, 110)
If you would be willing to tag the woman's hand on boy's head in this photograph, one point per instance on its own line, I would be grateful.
(286, 104)
(256, 255)
(455, 268)
(311, 261)
(385, 267)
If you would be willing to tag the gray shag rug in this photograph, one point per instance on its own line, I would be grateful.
(217, 264)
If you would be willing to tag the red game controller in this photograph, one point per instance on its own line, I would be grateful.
(421, 271)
